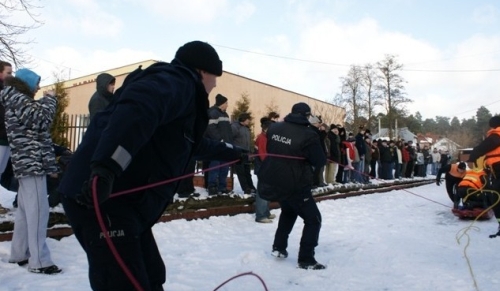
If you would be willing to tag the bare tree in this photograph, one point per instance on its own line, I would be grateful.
(373, 96)
(352, 94)
(11, 45)
(392, 88)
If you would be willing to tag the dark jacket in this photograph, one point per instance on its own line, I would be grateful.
(385, 154)
(102, 97)
(335, 154)
(360, 144)
(287, 178)
(148, 133)
(3, 132)
(219, 125)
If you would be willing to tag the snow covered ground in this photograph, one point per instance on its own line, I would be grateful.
(386, 241)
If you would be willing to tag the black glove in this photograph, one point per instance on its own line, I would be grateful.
(438, 182)
(105, 178)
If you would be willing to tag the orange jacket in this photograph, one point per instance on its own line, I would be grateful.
(493, 156)
(455, 173)
(473, 179)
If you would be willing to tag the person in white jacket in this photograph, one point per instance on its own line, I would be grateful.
(436, 159)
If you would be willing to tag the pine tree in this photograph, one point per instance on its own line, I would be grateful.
(59, 127)
(243, 106)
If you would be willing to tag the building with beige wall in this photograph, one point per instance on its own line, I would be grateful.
(262, 96)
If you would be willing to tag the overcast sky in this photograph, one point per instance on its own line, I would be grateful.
(450, 49)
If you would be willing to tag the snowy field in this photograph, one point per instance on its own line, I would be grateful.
(386, 241)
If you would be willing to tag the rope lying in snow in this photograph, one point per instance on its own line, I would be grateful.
(464, 232)
(241, 275)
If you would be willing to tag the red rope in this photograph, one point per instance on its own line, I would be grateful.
(110, 243)
(241, 275)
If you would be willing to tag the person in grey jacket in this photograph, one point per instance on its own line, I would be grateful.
(242, 139)
(33, 159)
(105, 86)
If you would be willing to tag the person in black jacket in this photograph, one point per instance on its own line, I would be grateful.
(411, 162)
(147, 135)
(105, 86)
(219, 128)
(332, 166)
(343, 159)
(6, 172)
(289, 181)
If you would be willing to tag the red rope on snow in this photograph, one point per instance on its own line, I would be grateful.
(241, 275)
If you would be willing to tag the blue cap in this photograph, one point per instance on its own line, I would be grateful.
(29, 77)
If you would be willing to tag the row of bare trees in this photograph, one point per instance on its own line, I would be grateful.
(366, 89)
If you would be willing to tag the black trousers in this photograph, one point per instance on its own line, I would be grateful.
(243, 171)
(128, 220)
(409, 168)
(186, 185)
(305, 207)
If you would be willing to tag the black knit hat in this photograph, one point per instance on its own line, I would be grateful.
(219, 100)
(244, 116)
(495, 121)
(200, 55)
(301, 108)
(462, 165)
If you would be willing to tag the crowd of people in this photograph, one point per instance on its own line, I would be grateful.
(156, 126)
(357, 158)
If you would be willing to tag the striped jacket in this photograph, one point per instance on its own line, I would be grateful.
(27, 122)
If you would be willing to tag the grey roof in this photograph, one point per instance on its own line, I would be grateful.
(403, 133)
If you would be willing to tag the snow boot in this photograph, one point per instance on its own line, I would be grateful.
(50, 270)
(282, 254)
(311, 266)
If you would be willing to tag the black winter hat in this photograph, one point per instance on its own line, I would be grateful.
(495, 121)
(301, 108)
(200, 55)
(219, 100)
(462, 165)
(244, 116)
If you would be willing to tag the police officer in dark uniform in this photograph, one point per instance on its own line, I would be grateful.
(289, 180)
(148, 134)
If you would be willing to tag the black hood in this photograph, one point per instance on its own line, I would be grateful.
(102, 82)
(297, 118)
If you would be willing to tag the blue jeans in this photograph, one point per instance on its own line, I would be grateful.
(397, 171)
(217, 177)
(434, 168)
(390, 175)
(358, 169)
(261, 208)
(356, 175)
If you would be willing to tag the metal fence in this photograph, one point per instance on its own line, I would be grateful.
(77, 125)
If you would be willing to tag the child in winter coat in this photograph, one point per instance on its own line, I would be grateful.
(27, 122)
